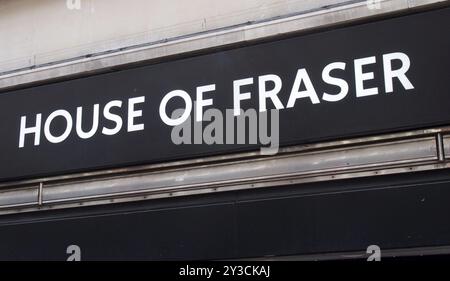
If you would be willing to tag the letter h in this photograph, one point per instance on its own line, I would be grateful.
(36, 130)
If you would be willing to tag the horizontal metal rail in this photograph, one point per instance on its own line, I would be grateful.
(361, 255)
(370, 156)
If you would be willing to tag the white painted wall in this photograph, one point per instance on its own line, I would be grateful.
(35, 32)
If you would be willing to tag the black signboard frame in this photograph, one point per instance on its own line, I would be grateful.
(421, 37)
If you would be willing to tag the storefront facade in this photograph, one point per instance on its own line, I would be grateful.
(349, 147)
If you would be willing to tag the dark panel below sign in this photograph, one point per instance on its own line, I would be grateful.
(422, 37)
(393, 212)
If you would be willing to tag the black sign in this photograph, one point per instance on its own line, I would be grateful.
(371, 78)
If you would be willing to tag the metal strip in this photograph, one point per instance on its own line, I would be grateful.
(446, 146)
(440, 147)
(280, 182)
(40, 191)
(385, 253)
(18, 198)
(332, 161)
(230, 157)
(370, 156)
